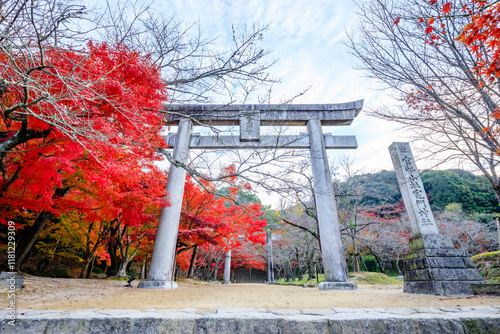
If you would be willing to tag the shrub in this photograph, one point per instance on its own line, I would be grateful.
(61, 272)
(370, 263)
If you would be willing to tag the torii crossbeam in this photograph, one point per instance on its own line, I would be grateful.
(250, 118)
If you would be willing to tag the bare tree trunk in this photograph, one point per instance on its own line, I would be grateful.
(122, 269)
(355, 261)
(191, 264)
(31, 233)
(85, 269)
(90, 250)
(376, 259)
(112, 248)
(142, 275)
(127, 256)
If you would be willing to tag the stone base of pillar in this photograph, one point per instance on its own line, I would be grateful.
(337, 286)
(435, 267)
(157, 285)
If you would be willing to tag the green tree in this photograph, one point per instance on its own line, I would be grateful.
(457, 186)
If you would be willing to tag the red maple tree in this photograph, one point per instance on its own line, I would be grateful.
(210, 223)
(80, 132)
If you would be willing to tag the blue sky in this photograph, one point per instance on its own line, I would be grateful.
(306, 38)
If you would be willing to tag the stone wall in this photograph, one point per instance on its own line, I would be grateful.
(455, 320)
(243, 275)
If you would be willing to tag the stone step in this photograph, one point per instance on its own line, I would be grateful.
(492, 289)
(436, 253)
(437, 262)
(452, 320)
(443, 274)
(447, 288)
(432, 241)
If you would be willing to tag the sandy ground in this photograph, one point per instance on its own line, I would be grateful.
(72, 294)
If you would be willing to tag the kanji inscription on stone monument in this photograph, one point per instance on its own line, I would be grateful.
(250, 127)
(412, 190)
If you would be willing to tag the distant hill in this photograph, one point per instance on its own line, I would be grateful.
(458, 186)
(378, 189)
(443, 187)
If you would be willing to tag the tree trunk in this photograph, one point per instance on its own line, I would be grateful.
(310, 266)
(112, 248)
(122, 269)
(85, 269)
(498, 231)
(355, 262)
(31, 234)
(191, 264)
(376, 259)
(91, 269)
(142, 275)
(125, 253)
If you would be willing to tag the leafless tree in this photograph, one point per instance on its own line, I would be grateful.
(466, 231)
(387, 242)
(446, 104)
(350, 192)
(295, 252)
(195, 67)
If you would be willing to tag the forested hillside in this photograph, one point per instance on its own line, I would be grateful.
(473, 192)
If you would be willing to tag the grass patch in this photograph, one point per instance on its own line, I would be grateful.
(373, 279)
(358, 278)
(488, 265)
(488, 256)
(305, 280)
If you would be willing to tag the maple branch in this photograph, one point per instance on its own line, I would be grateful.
(3, 87)
(21, 137)
(5, 176)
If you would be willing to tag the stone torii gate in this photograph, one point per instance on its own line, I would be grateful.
(250, 118)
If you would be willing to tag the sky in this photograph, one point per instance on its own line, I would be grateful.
(306, 37)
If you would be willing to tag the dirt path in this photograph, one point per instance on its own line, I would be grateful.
(73, 294)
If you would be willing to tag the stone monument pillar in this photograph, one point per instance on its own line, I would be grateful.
(334, 262)
(434, 266)
(163, 259)
(227, 268)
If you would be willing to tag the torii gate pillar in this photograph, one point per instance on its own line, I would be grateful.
(163, 259)
(227, 268)
(332, 251)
